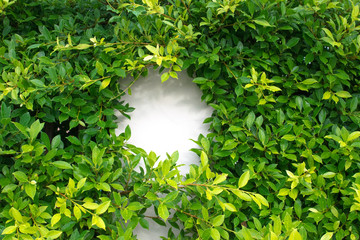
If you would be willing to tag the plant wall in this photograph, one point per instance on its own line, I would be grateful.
(282, 158)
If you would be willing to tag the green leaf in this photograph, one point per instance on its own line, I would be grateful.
(62, 165)
(163, 211)
(299, 103)
(309, 58)
(295, 235)
(230, 207)
(205, 143)
(152, 158)
(273, 88)
(127, 132)
(262, 136)
(82, 46)
(74, 140)
(171, 197)
(98, 221)
(284, 192)
(289, 137)
(355, 13)
(262, 200)
(352, 136)
(262, 22)
(200, 80)
(329, 34)
(56, 141)
(327, 236)
(152, 49)
(92, 119)
(16, 214)
(55, 219)
(218, 220)
(135, 206)
(326, 95)
(242, 195)
(317, 158)
(334, 211)
(292, 42)
(309, 81)
(30, 190)
(20, 176)
(202, 59)
(9, 188)
(244, 179)
(99, 68)
(165, 77)
(322, 116)
(250, 119)
(329, 175)
(343, 94)
(120, 72)
(9, 230)
(215, 234)
(50, 155)
(229, 144)
(204, 159)
(90, 205)
(21, 128)
(220, 178)
(297, 207)
(77, 212)
(38, 83)
(35, 129)
(102, 207)
(353, 104)
(81, 183)
(104, 83)
(144, 223)
(27, 148)
(53, 234)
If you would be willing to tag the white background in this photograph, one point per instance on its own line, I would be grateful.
(167, 115)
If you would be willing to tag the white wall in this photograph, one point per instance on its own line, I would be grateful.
(167, 115)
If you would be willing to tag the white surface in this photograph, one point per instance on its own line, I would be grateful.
(167, 115)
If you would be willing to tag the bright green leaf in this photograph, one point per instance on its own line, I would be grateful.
(104, 83)
(62, 165)
(343, 94)
(262, 22)
(218, 220)
(244, 179)
(30, 190)
(20, 176)
(53, 234)
(99, 68)
(9, 230)
(220, 178)
(102, 207)
(327, 236)
(215, 234)
(352, 136)
(163, 211)
(56, 218)
(295, 235)
(77, 212)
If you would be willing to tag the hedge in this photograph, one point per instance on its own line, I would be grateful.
(282, 158)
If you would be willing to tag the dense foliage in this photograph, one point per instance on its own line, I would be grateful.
(282, 158)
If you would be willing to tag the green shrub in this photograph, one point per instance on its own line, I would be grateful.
(64, 172)
(281, 162)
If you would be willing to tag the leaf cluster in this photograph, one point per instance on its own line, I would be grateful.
(64, 173)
